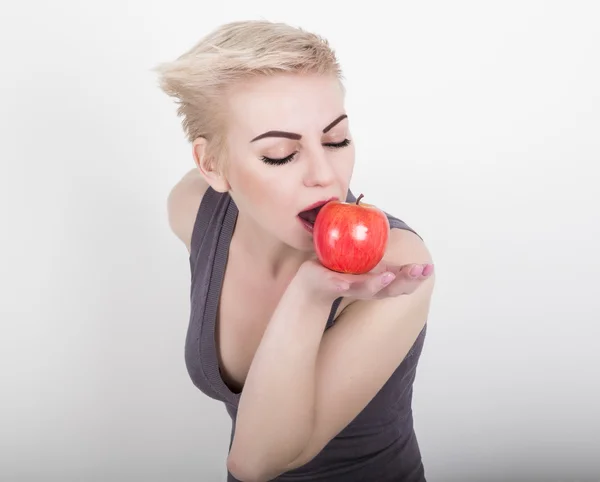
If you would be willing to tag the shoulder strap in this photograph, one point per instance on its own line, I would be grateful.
(206, 211)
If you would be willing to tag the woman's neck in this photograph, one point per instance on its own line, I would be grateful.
(269, 255)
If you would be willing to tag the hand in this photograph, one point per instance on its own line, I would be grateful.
(383, 281)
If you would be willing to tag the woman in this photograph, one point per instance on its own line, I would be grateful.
(314, 367)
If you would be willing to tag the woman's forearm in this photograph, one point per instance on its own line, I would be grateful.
(276, 410)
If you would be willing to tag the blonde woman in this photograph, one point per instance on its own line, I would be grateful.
(314, 367)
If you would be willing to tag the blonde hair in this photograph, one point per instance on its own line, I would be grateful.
(232, 53)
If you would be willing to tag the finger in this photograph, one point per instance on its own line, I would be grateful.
(427, 271)
(417, 271)
(354, 279)
(369, 286)
(345, 281)
(403, 287)
(409, 279)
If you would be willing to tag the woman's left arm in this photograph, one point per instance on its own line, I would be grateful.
(352, 362)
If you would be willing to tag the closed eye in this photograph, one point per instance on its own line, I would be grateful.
(278, 162)
(337, 145)
(285, 160)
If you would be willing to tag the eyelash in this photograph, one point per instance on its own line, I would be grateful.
(285, 160)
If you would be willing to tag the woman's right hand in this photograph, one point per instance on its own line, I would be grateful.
(384, 281)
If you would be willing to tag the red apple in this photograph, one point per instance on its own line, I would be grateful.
(350, 237)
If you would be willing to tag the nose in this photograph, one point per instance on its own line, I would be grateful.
(319, 170)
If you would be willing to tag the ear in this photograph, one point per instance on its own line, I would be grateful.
(208, 166)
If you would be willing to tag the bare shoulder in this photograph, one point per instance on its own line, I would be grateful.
(182, 205)
(404, 246)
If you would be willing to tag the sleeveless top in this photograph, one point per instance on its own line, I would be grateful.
(378, 445)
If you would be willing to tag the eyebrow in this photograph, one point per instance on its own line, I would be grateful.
(294, 136)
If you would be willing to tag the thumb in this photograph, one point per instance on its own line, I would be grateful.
(323, 281)
(364, 284)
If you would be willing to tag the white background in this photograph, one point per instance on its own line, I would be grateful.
(476, 122)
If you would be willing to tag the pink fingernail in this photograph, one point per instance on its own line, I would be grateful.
(342, 286)
(387, 278)
(427, 270)
(416, 270)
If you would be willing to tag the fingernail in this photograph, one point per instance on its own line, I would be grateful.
(416, 270)
(341, 286)
(387, 278)
(427, 270)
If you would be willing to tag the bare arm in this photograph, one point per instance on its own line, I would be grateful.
(276, 411)
(304, 386)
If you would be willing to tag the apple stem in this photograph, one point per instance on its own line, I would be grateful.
(359, 198)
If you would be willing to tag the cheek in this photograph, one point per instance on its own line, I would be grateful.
(261, 187)
(345, 166)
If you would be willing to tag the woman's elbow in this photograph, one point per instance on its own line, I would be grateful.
(244, 470)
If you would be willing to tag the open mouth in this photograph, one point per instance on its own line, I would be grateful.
(309, 216)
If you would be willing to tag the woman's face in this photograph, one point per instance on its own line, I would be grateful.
(289, 146)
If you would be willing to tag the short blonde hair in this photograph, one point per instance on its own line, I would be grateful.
(232, 53)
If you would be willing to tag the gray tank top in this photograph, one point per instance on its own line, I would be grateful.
(378, 445)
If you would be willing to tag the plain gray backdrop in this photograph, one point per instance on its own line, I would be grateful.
(478, 123)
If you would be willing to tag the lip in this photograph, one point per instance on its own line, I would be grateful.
(306, 225)
(319, 203)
